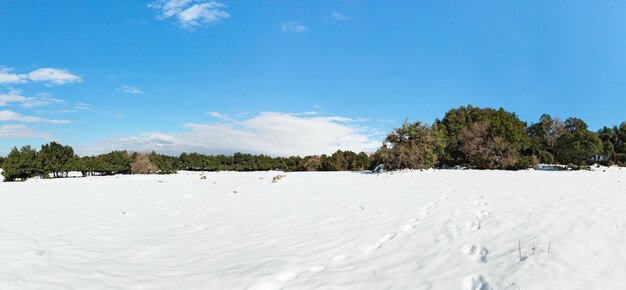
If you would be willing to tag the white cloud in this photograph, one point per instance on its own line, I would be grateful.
(54, 76)
(10, 116)
(7, 77)
(130, 90)
(276, 134)
(14, 96)
(294, 27)
(41, 100)
(11, 97)
(218, 115)
(338, 16)
(191, 13)
(45, 75)
(20, 132)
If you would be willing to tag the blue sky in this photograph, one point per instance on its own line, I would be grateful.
(295, 77)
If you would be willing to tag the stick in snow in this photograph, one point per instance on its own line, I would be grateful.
(549, 245)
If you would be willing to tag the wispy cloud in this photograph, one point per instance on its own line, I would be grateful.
(52, 76)
(11, 97)
(21, 131)
(130, 90)
(15, 96)
(11, 116)
(277, 134)
(294, 27)
(191, 13)
(8, 77)
(338, 16)
(218, 115)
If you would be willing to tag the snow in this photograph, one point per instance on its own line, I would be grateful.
(434, 229)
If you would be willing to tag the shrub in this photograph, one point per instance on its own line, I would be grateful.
(509, 129)
(484, 149)
(21, 164)
(411, 146)
(142, 165)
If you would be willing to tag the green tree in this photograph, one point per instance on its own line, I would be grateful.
(484, 150)
(53, 157)
(21, 164)
(578, 146)
(502, 124)
(413, 145)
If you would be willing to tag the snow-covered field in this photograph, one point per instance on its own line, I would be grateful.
(436, 229)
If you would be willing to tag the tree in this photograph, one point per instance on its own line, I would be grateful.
(165, 164)
(53, 157)
(21, 164)
(485, 150)
(544, 136)
(75, 163)
(142, 165)
(413, 146)
(578, 146)
(502, 124)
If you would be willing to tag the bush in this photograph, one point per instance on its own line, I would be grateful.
(53, 157)
(21, 164)
(142, 165)
(509, 129)
(485, 150)
(412, 146)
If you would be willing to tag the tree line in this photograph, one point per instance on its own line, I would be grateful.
(54, 160)
(468, 136)
(485, 138)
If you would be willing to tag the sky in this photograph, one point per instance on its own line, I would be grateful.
(295, 77)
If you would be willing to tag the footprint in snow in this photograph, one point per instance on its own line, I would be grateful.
(478, 253)
(443, 238)
(473, 226)
(409, 225)
(379, 243)
(482, 214)
(476, 282)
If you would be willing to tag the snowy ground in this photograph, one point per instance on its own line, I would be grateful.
(439, 229)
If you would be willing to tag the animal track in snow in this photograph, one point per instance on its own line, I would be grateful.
(478, 253)
(473, 226)
(409, 225)
(443, 238)
(482, 214)
(480, 202)
(379, 243)
(475, 282)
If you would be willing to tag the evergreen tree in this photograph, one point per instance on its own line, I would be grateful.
(53, 157)
(578, 146)
(21, 164)
(411, 146)
(502, 124)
